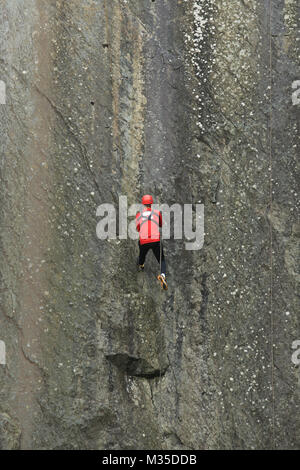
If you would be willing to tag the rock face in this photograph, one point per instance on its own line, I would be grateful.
(190, 101)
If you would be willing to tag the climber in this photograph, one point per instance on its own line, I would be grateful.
(147, 223)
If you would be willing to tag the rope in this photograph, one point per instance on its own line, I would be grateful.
(161, 331)
(271, 235)
(160, 252)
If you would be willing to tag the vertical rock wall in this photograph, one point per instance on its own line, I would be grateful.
(192, 102)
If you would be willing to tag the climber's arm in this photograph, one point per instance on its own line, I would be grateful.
(137, 221)
(160, 219)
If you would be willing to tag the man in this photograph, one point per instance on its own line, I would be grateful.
(147, 223)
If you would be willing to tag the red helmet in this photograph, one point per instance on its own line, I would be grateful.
(147, 200)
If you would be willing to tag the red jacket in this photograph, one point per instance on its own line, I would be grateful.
(147, 224)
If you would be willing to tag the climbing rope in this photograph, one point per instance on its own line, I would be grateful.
(161, 329)
(271, 234)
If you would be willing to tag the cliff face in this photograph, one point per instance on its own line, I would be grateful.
(192, 102)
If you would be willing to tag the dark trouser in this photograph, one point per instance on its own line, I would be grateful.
(155, 247)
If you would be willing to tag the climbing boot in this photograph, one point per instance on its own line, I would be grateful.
(163, 282)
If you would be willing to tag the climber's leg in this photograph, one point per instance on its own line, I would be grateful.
(142, 254)
(157, 252)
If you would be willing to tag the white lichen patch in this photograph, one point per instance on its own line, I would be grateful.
(200, 51)
(236, 59)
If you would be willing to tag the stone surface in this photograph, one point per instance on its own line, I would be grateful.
(192, 102)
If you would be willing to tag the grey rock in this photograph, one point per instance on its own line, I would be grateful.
(191, 102)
